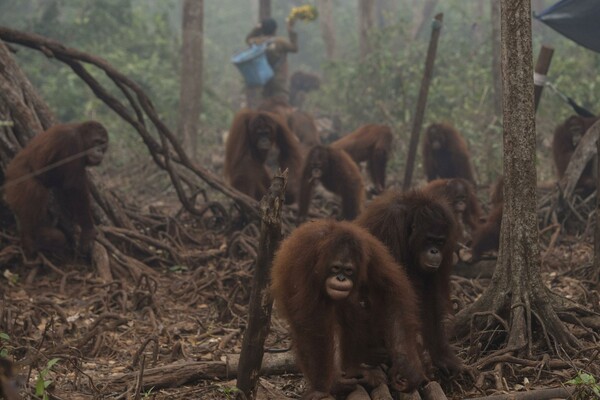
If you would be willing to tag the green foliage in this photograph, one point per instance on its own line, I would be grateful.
(228, 391)
(178, 268)
(587, 386)
(5, 347)
(43, 381)
(148, 393)
(142, 39)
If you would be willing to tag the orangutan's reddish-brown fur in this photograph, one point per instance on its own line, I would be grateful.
(337, 173)
(371, 143)
(301, 83)
(276, 105)
(52, 167)
(304, 127)
(251, 136)
(445, 154)
(461, 197)
(376, 309)
(487, 236)
(566, 138)
(421, 233)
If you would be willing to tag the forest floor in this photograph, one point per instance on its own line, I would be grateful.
(182, 315)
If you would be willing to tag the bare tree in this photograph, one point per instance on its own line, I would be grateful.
(496, 73)
(264, 9)
(517, 302)
(423, 17)
(385, 11)
(327, 26)
(365, 25)
(190, 97)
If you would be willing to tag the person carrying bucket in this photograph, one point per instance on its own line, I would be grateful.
(276, 52)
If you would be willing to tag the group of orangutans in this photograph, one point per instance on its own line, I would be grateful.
(370, 292)
(375, 289)
(366, 299)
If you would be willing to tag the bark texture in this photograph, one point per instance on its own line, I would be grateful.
(517, 293)
(366, 15)
(264, 9)
(190, 97)
(325, 8)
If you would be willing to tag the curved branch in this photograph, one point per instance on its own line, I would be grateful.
(168, 150)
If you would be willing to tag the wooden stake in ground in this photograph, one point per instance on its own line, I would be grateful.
(542, 66)
(422, 102)
(259, 310)
(582, 155)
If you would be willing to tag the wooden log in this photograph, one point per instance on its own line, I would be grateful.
(272, 364)
(359, 394)
(539, 394)
(381, 392)
(261, 303)
(433, 391)
(410, 396)
(188, 372)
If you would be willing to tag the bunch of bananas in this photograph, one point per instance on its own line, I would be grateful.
(305, 13)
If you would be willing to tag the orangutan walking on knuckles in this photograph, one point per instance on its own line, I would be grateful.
(421, 233)
(50, 169)
(345, 298)
(371, 143)
(337, 173)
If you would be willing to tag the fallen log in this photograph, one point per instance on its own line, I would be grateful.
(381, 392)
(409, 396)
(539, 394)
(180, 373)
(359, 394)
(433, 391)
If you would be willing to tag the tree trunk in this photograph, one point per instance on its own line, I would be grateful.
(264, 9)
(261, 303)
(22, 111)
(386, 12)
(517, 293)
(496, 61)
(423, 18)
(365, 25)
(327, 27)
(491, 167)
(477, 25)
(190, 98)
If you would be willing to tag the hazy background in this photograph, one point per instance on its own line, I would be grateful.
(142, 39)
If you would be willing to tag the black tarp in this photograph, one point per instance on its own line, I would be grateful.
(579, 20)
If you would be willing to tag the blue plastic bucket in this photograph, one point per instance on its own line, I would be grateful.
(253, 65)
